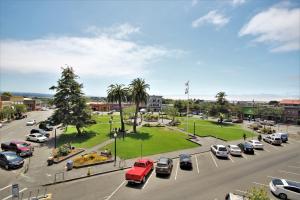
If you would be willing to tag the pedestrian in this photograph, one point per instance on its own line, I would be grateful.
(244, 136)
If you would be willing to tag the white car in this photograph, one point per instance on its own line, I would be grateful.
(31, 123)
(273, 139)
(219, 151)
(234, 150)
(285, 189)
(231, 196)
(256, 144)
(36, 137)
(1, 125)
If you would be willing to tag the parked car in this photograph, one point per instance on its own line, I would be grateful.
(31, 122)
(1, 125)
(139, 171)
(237, 121)
(164, 166)
(36, 137)
(45, 126)
(219, 151)
(234, 150)
(256, 144)
(285, 189)
(273, 139)
(10, 160)
(284, 136)
(185, 161)
(20, 147)
(40, 131)
(20, 116)
(246, 148)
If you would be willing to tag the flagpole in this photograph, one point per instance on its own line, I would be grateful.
(187, 107)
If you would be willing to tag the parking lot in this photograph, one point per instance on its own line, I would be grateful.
(210, 178)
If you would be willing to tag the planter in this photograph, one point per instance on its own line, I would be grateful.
(92, 158)
(74, 152)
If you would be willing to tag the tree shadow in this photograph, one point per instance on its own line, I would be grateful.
(139, 136)
(223, 124)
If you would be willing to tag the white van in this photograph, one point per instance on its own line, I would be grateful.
(284, 136)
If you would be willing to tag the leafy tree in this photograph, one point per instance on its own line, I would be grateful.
(19, 109)
(171, 111)
(6, 94)
(7, 112)
(118, 93)
(128, 112)
(138, 91)
(221, 100)
(70, 102)
(180, 105)
(258, 194)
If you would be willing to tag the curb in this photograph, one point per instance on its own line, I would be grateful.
(107, 172)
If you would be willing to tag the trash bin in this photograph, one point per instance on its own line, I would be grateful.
(69, 164)
(50, 161)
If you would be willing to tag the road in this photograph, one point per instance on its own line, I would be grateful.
(211, 178)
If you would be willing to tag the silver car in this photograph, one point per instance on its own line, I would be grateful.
(164, 166)
(234, 150)
(273, 139)
(256, 144)
(285, 189)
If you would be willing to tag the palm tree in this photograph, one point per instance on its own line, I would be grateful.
(138, 88)
(221, 98)
(118, 93)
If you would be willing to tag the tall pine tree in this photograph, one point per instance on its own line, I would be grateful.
(70, 101)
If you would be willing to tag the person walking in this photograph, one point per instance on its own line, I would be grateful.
(244, 136)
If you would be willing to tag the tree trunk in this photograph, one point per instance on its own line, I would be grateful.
(135, 116)
(78, 130)
(121, 116)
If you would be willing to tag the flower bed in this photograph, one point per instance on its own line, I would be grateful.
(64, 152)
(92, 159)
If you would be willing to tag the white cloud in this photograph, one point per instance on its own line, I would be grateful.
(238, 2)
(100, 55)
(279, 27)
(213, 17)
(194, 3)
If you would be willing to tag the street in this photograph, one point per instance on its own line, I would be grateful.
(212, 179)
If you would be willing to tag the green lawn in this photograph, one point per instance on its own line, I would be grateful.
(228, 131)
(153, 140)
(95, 134)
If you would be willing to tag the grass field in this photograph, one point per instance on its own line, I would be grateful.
(227, 131)
(153, 140)
(95, 134)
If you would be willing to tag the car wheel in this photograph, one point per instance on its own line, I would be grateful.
(282, 196)
(6, 167)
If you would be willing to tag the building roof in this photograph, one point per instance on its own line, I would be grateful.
(290, 102)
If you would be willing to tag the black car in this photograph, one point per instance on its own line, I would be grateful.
(43, 125)
(185, 161)
(40, 131)
(164, 166)
(10, 160)
(246, 148)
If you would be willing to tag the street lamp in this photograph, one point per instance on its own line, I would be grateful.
(115, 136)
(55, 138)
(110, 124)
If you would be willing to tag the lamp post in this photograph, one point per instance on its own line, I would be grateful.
(55, 138)
(110, 124)
(115, 136)
(194, 128)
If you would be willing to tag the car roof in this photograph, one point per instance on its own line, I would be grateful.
(233, 145)
(290, 183)
(143, 160)
(18, 141)
(7, 152)
(163, 160)
(253, 141)
(36, 134)
(220, 145)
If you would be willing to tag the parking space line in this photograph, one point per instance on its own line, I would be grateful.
(294, 166)
(260, 184)
(271, 145)
(241, 191)
(10, 196)
(256, 153)
(148, 179)
(283, 171)
(176, 169)
(116, 190)
(230, 158)
(266, 150)
(197, 164)
(244, 156)
(214, 160)
(5, 187)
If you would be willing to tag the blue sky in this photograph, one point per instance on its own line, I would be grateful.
(247, 48)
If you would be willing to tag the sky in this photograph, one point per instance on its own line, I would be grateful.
(248, 48)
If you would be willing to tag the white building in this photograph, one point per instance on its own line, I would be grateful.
(154, 103)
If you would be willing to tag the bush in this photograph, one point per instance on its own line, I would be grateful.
(258, 194)
(64, 150)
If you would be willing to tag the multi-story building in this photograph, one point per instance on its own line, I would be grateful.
(291, 110)
(99, 106)
(32, 104)
(154, 103)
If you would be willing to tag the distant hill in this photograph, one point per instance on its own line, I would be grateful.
(31, 94)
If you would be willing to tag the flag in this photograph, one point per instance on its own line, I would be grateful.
(187, 87)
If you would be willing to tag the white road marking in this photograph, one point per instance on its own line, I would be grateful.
(176, 170)
(213, 159)
(230, 158)
(10, 196)
(294, 167)
(283, 171)
(266, 150)
(271, 145)
(256, 153)
(148, 180)
(197, 164)
(260, 184)
(241, 191)
(115, 190)
(244, 156)
(5, 187)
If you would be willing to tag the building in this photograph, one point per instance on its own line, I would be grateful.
(10, 100)
(154, 103)
(99, 106)
(32, 104)
(291, 111)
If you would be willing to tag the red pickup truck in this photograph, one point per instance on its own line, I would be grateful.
(20, 147)
(139, 171)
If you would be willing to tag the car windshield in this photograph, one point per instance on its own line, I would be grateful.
(39, 136)
(235, 148)
(11, 156)
(277, 182)
(222, 149)
(22, 145)
(138, 164)
(161, 164)
(183, 156)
